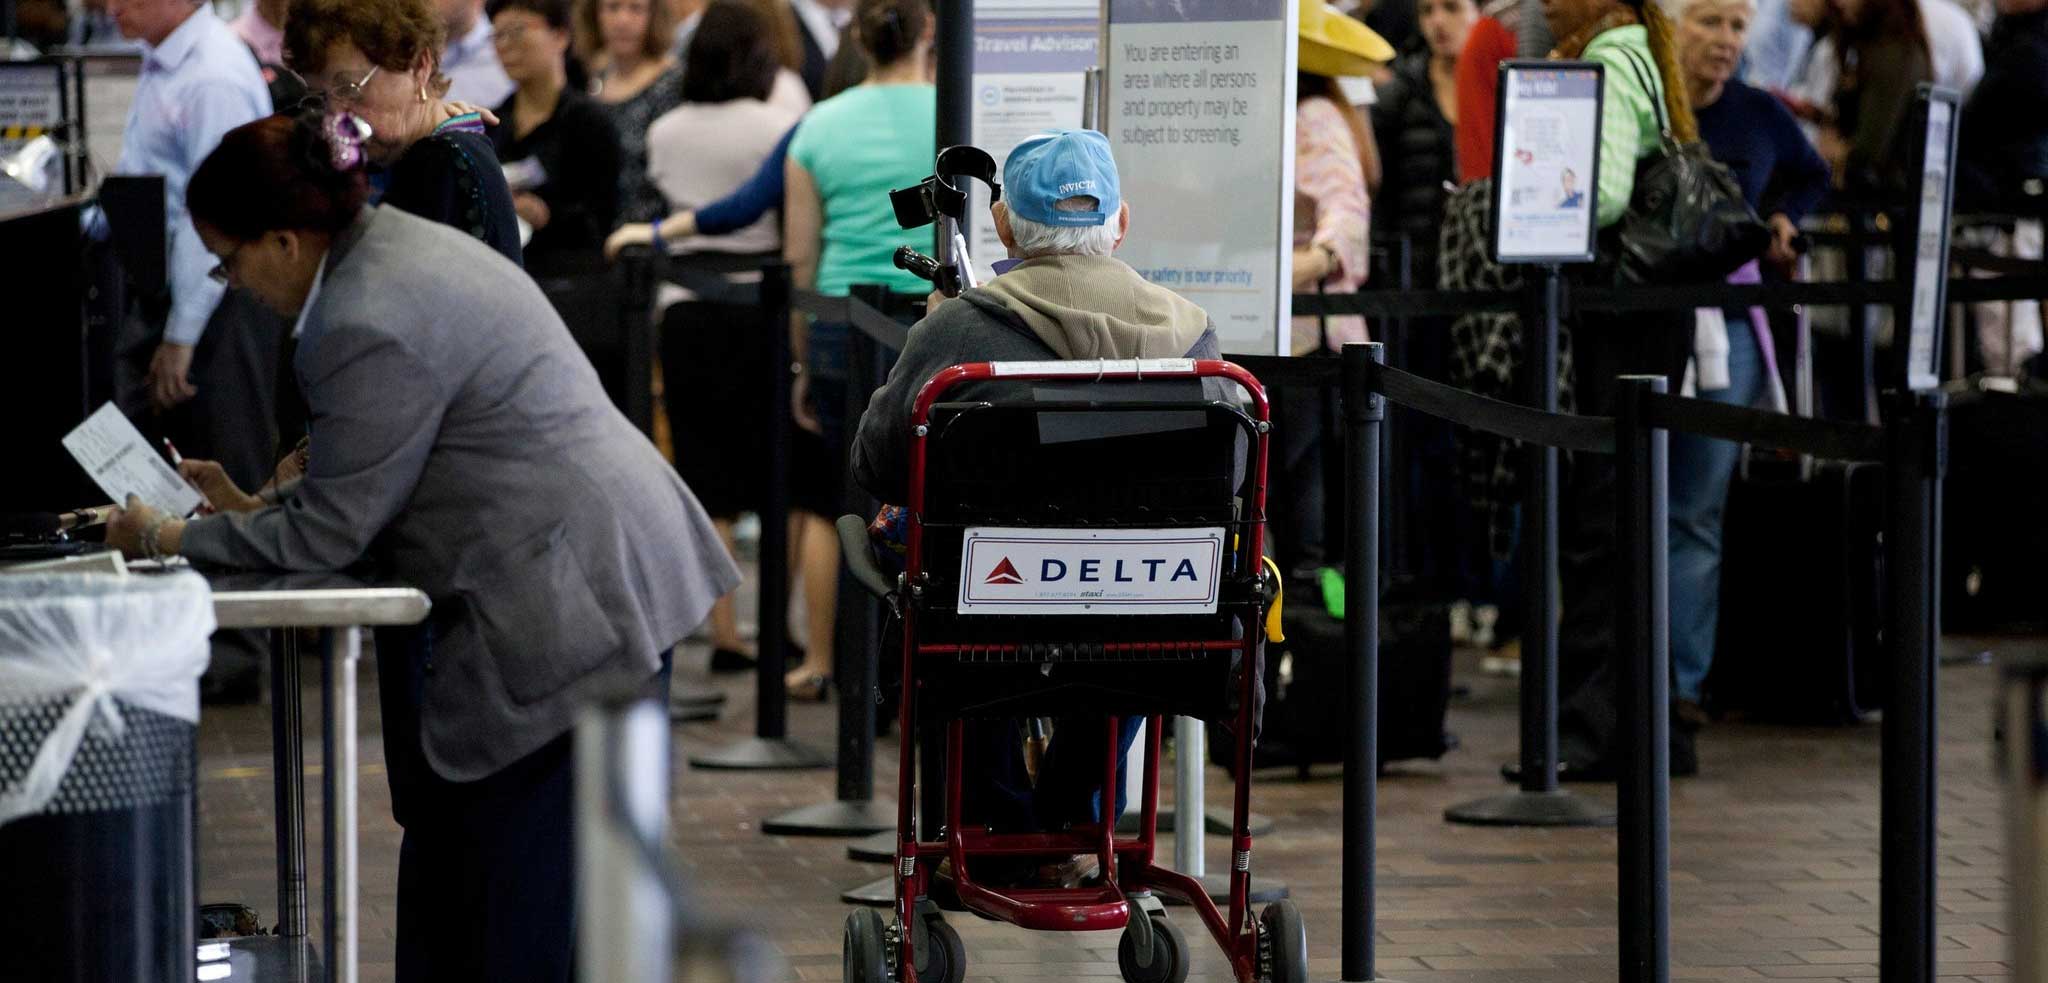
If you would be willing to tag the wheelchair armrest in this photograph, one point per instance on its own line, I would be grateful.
(860, 557)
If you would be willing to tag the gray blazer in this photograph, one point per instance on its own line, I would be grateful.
(462, 440)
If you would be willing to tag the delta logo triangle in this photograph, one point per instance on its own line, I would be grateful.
(1004, 573)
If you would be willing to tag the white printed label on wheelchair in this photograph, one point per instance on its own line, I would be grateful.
(1095, 367)
(1090, 571)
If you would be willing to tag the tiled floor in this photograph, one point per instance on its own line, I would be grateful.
(1774, 853)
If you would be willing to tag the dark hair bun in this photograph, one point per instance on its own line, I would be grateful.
(890, 29)
(279, 172)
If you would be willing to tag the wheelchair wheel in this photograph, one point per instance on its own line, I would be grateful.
(944, 959)
(1169, 955)
(1285, 941)
(862, 953)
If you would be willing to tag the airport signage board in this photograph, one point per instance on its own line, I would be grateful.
(1546, 162)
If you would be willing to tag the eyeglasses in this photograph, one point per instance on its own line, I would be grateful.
(225, 269)
(352, 92)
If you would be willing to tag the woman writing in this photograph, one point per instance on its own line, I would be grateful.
(461, 444)
(379, 60)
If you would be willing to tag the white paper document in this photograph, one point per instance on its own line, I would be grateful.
(120, 461)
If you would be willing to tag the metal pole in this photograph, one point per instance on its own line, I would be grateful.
(288, 764)
(1540, 802)
(1190, 807)
(622, 763)
(1364, 415)
(1091, 99)
(1642, 633)
(1916, 431)
(2025, 730)
(853, 811)
(338, 784)
(770, 748)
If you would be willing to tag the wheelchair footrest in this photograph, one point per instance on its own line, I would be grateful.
(1084, 909)
(1054, 653)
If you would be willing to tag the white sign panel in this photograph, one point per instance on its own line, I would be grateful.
(1090, 571)
(1031, 59)
(1200, 108)
(1546, 162)
(1930, 247)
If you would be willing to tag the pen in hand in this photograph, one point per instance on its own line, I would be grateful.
(178, 462)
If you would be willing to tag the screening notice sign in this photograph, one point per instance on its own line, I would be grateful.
(1546, 162)
(1090, 571)
(1200, 108)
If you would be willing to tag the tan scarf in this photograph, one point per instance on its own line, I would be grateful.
(1570, 48)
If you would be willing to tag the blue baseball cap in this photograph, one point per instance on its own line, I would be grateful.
(1056, 165)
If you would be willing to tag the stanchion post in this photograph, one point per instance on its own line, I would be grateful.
(1364, 415)
(1916, 434)
(627, 912)
(1642, 643)
(2024, 727)
(1540, 802)
(770, 747)
(853, 811)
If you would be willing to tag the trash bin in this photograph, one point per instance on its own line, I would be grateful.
(99, 706)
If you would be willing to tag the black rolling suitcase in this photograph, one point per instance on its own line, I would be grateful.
(1995, 545)
(1802, 597)
(1802, 584)
(1307, 721)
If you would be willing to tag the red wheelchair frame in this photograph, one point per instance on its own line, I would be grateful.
(1127, 866)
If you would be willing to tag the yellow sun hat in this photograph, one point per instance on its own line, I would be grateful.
(1338, 45)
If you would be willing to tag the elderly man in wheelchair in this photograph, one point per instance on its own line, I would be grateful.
(1081, 482)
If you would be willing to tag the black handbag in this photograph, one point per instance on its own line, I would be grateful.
(1687, 221)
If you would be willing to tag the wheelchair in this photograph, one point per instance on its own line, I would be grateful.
(1093, 549)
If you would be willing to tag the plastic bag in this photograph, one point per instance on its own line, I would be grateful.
(85, 641)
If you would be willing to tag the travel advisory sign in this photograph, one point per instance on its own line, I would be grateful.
(1090, 571)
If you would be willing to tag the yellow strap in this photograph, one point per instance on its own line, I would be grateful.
(1273, 633)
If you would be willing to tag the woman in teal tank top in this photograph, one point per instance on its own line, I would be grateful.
(839, 230)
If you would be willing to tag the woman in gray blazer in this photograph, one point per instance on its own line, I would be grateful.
(461, 443)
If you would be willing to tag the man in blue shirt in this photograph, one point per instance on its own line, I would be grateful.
(198, 82)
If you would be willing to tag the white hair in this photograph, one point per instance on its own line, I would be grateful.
(1034, 240)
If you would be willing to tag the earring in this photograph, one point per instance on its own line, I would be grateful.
(423, 94)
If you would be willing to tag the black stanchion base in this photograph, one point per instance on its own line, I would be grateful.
(692, 695)
(1264, 890)
(1214, 824)
(691, 713)
(877, 849)
(1559, 808)
(761, 754)
(874, 894)
(835, 819)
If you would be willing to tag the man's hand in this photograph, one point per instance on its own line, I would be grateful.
(931, 303)
(169, 372)
(800, 411)
(1781, 254)
(532, 209)
(220, 491)
(628, 235)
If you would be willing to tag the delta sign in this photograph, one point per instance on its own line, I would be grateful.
(1090, 571)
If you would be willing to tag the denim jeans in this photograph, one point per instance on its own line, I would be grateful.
(1700, 471)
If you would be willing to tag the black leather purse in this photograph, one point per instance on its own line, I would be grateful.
(1687, 221)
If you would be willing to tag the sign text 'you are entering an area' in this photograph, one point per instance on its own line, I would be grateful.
(1546, 162)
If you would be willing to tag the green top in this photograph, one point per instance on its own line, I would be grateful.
(858, 146)
(1628, 117)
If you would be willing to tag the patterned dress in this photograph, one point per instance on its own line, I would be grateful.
(638, 199)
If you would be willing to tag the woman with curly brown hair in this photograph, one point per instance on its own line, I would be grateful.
(380, 60)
